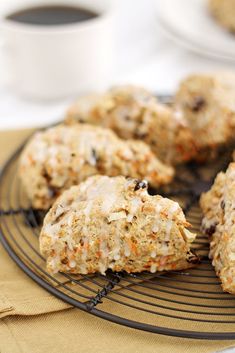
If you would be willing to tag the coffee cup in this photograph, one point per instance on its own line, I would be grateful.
(58, 60)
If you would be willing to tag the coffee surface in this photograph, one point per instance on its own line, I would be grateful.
(52, 15)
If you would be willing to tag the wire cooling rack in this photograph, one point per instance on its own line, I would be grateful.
(187, 304)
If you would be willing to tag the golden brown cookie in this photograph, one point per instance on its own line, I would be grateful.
(62, 156)
(218, 206)
(113, 223)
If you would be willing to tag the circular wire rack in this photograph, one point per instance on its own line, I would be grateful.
(188, 304)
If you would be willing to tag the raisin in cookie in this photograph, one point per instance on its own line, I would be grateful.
(113, 223)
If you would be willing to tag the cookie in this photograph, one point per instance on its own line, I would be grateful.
(218, 223)
(113, 223)
(133, 112)
(62, 156)
(207, 103)
(224, 13)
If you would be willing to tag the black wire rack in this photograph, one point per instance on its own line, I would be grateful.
(186, 304)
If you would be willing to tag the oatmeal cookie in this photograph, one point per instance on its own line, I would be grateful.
(207, 103)
(62, 156)
(224, 13)
(113, 223)
(133, 112)
(218, 223)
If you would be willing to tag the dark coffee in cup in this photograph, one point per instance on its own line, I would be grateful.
(50, 15)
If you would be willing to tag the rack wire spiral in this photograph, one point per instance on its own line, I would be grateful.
(187, 304)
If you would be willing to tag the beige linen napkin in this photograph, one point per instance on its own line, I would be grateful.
(19, 294)
(32, 320)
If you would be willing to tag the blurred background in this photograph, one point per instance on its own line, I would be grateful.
(156, 43)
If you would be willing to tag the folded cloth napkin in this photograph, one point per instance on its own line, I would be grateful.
(19, 295)
(32, 320)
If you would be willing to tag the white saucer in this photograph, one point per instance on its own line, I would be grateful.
(17, 113)
(189, 23)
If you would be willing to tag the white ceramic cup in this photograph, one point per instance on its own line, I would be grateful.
(58, 61)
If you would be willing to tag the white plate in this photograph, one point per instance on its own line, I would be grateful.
(189, 23)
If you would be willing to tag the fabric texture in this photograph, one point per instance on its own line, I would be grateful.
(32, 320)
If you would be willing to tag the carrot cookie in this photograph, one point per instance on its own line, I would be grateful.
(207, 103)
(62, 156)
(224, 12)
(218, 223)
(113, 223)
(133, 112)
